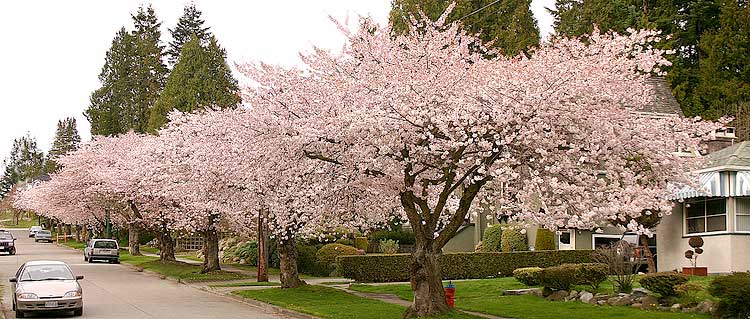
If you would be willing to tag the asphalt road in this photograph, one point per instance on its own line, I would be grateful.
(116, 291)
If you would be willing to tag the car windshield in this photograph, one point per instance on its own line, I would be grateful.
(46, 272)
(36, 228)
(44, 232)
(6, 237)
(105, 244)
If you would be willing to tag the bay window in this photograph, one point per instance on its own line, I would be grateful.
(705, 215)
(742, 210)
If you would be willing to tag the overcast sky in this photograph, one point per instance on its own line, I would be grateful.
(53, 50)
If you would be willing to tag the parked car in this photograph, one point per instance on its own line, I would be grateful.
(102, 249)
(43, 235)
(44, 285)
(7, 243)
(33, 230)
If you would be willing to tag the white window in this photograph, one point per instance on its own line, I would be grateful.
(742, 222)
(566, 240)
(705, 215)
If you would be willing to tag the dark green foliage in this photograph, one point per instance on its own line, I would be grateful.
(307, 260)
(201, 79)
(247, 251)
(361, 243)
(24, 164)
(345, 241)
(733, 292)
(66, 140)
(559, 277)
(326, 256)
(591, 274)
(403, 237)
(492, 239)
(663, 283)
(190, 24)
(528, 276)
(509, 24)
(545, 240)
(513, 239)
(389, 268)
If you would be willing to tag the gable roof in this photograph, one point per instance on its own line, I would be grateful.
(664, 102)
(735, 155)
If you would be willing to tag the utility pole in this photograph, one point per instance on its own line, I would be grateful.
(263, 246)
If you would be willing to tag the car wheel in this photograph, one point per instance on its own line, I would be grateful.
(91, 260)
(117, 261)
(12, 252)
(85, 258)
(36, 240)
(78, 312)
(19, 314)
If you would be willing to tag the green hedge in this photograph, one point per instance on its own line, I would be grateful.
(390, 268)
(491, 238)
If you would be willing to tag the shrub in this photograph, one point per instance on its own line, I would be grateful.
(528, 276)
(663, 283)
(492, 238)
(361, 243)
(388, 246)
(326, 256)
(688, 292)
(559, 277)
(513, 239)
(545, 240)
(733, 292)
(246, 251)
(401, 236)
(307, 260)
(620, 258)
(345, 241)
(591, 274)
(389, 268)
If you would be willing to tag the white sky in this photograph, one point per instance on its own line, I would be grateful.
(53, 50)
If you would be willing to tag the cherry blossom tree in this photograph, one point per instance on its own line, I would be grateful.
(428, 122)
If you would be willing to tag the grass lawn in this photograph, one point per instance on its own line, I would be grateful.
(248, 284)
(325, 302)
(74, 244)
(485, 296)
(9, 222)
(178, 270)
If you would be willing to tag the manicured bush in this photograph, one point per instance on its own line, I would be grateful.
(591, 274)
(307, 260)
(491, 239)
(513, 239)
(559, 277)
(246, 251)
(389, 268)
(388, 246)
(545, 240)
(401, 236)
(326, 256)
(345, 241)
(361, 243)
(733, 292)
(528, 276)
(663, 283)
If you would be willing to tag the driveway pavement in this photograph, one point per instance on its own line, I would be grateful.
(116, 291)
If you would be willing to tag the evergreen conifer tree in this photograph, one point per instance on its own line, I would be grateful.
(189, 24)
(149, 72)
(66, 140)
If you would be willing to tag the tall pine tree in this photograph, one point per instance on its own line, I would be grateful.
(190, 24)
(25, 162)
(510, 24)
(66, 140)
(200, 79)
(149, 71)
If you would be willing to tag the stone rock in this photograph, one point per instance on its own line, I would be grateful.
(637, 305)
(586, 297)
(558, 295)
(518, 292)
(676, 307)
(573, 294)
(601, 302)
(620, 301)
(639, 293)
(649, 302)
(705, 306)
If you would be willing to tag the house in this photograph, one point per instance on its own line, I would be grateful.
(719, 213)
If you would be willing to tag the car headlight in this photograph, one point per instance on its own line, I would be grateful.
(27, 295)
(74, 293)
(11, 244)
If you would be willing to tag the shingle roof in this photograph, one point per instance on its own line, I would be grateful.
(663, 102)
(735, 155)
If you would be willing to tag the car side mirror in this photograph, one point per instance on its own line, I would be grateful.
(13, 279)
(79, 277)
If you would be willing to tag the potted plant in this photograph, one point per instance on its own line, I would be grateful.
(696, 243)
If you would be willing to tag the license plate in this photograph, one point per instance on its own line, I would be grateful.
(50, 304)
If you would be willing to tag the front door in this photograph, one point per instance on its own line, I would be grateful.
(566, 240)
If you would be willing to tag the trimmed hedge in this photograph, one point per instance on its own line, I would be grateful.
(734, 294)
(513, 239)
(326, 256)
(390, 268)
(545, 240)
(401, 236)
(491, 238)
(559, 277)
(663, 283)
(528, 276)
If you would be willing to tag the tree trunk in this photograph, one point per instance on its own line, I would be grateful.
(78, 233)
(647, 253)
(426, 281)
(288, 268)
(210, 251)
(166, 247)
(263, 246)
(134, 245)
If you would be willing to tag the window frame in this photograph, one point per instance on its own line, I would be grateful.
(737, 214)
(705, 216)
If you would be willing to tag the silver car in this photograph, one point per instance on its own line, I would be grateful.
(102, 249)
(43, 285)
(43, 235)
(33, 230)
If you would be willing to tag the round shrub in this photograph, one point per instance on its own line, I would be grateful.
(591, 274)
(528, 276)
(663, 283)
(492, 238)
(246, 251)
(733, 292)
(361, 243)
(559, 277)
(326, 256)
(513, 239)
(545, 240)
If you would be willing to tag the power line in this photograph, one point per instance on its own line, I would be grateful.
(478, 10)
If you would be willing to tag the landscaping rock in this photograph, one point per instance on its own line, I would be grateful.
(601, 302)
(637, 305)
(706, 306)
(649, 302)
(518, 292)
(573, 294)
(620, 301)
(639, 293)
(558, 295)
(676, 307)
(586, 297)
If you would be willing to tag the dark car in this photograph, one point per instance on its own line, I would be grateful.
(7, 243)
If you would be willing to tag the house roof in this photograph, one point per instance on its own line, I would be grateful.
(664, 102)
(735, 155)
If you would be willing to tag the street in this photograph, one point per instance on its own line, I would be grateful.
(116, 291)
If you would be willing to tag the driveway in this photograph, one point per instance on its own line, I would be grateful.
(116, 291)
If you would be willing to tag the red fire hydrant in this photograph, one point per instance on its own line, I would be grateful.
(450, 294)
